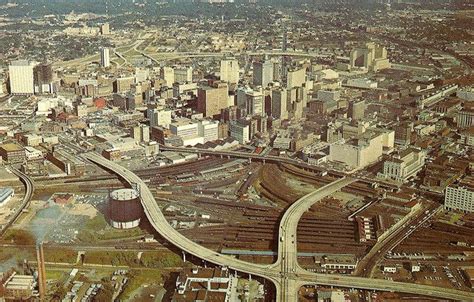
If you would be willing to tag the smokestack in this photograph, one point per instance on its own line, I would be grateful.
(41, 272)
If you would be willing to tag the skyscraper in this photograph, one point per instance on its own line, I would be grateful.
(212, 99)
(251, 100)
(230, 71)
(105, 57)
(167, 74)
(21, 77)
(105, 29)
(262, 73)
(183, 74)
(43, 78)
(357, 109)
(296, 78)
(279, 103)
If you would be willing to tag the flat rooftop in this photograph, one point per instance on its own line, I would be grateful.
(10, 147)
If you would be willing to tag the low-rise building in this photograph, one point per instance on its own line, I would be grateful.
(467, 137)
(33, 154)
(5, 195)
(19, 288)
(12, 153)
(404, 165)
(205, 284)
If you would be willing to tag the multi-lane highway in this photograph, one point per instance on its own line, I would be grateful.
(276, 159)
(287, 261)
(286, 274)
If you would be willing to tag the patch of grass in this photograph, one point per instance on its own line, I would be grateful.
(160, 260)
(62, 255)
(137, 278)
(97, 223)
(19, 237)
(115, 258)
(54, 275)
(97, 229)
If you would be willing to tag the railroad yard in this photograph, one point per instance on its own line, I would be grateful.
(235, 206)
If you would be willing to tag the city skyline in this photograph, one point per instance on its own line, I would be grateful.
(241, 150)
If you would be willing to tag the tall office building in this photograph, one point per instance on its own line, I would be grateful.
(167, 74)
(140, 133)
(252, 101)
(357, 110)
(295, 78)
(21, 77)
(460, 196)
(465, 116)
(279, 103)
(262, 73)
(43, 78)
(212, 99)
(159, 117)
(43, 73)
(240, 130)
(105, 29)
(105, 57)
(183, 74)
(230, 71)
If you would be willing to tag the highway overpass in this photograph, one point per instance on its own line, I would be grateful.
(29, 189)
(286, 274)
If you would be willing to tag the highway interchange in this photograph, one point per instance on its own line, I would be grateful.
(286, 274)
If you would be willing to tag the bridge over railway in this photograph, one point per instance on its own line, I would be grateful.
(275, 160)
(285, 273)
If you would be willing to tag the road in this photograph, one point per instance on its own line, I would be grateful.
(29, 189)
(160, 224)
(286, 281)
(366, 266)
(287, 261)
(275, 159)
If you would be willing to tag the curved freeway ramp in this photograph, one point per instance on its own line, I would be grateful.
(161, 225)
(286, 274)
(29, 189)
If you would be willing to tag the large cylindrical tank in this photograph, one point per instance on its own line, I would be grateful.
(125, 209)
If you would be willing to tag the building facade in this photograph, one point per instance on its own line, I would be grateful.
(21, 77)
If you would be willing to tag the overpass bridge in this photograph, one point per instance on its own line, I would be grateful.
(276, 160)
(29, 189)
(167, 56)
(285, 274)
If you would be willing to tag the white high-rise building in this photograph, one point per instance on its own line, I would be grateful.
(105, 57)
(296, 78)
(21, 77)
(183, 74)
(240, 131)
(230, 71)
(208, 129)
(460, 196)
(159, 117)
(167, 74)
